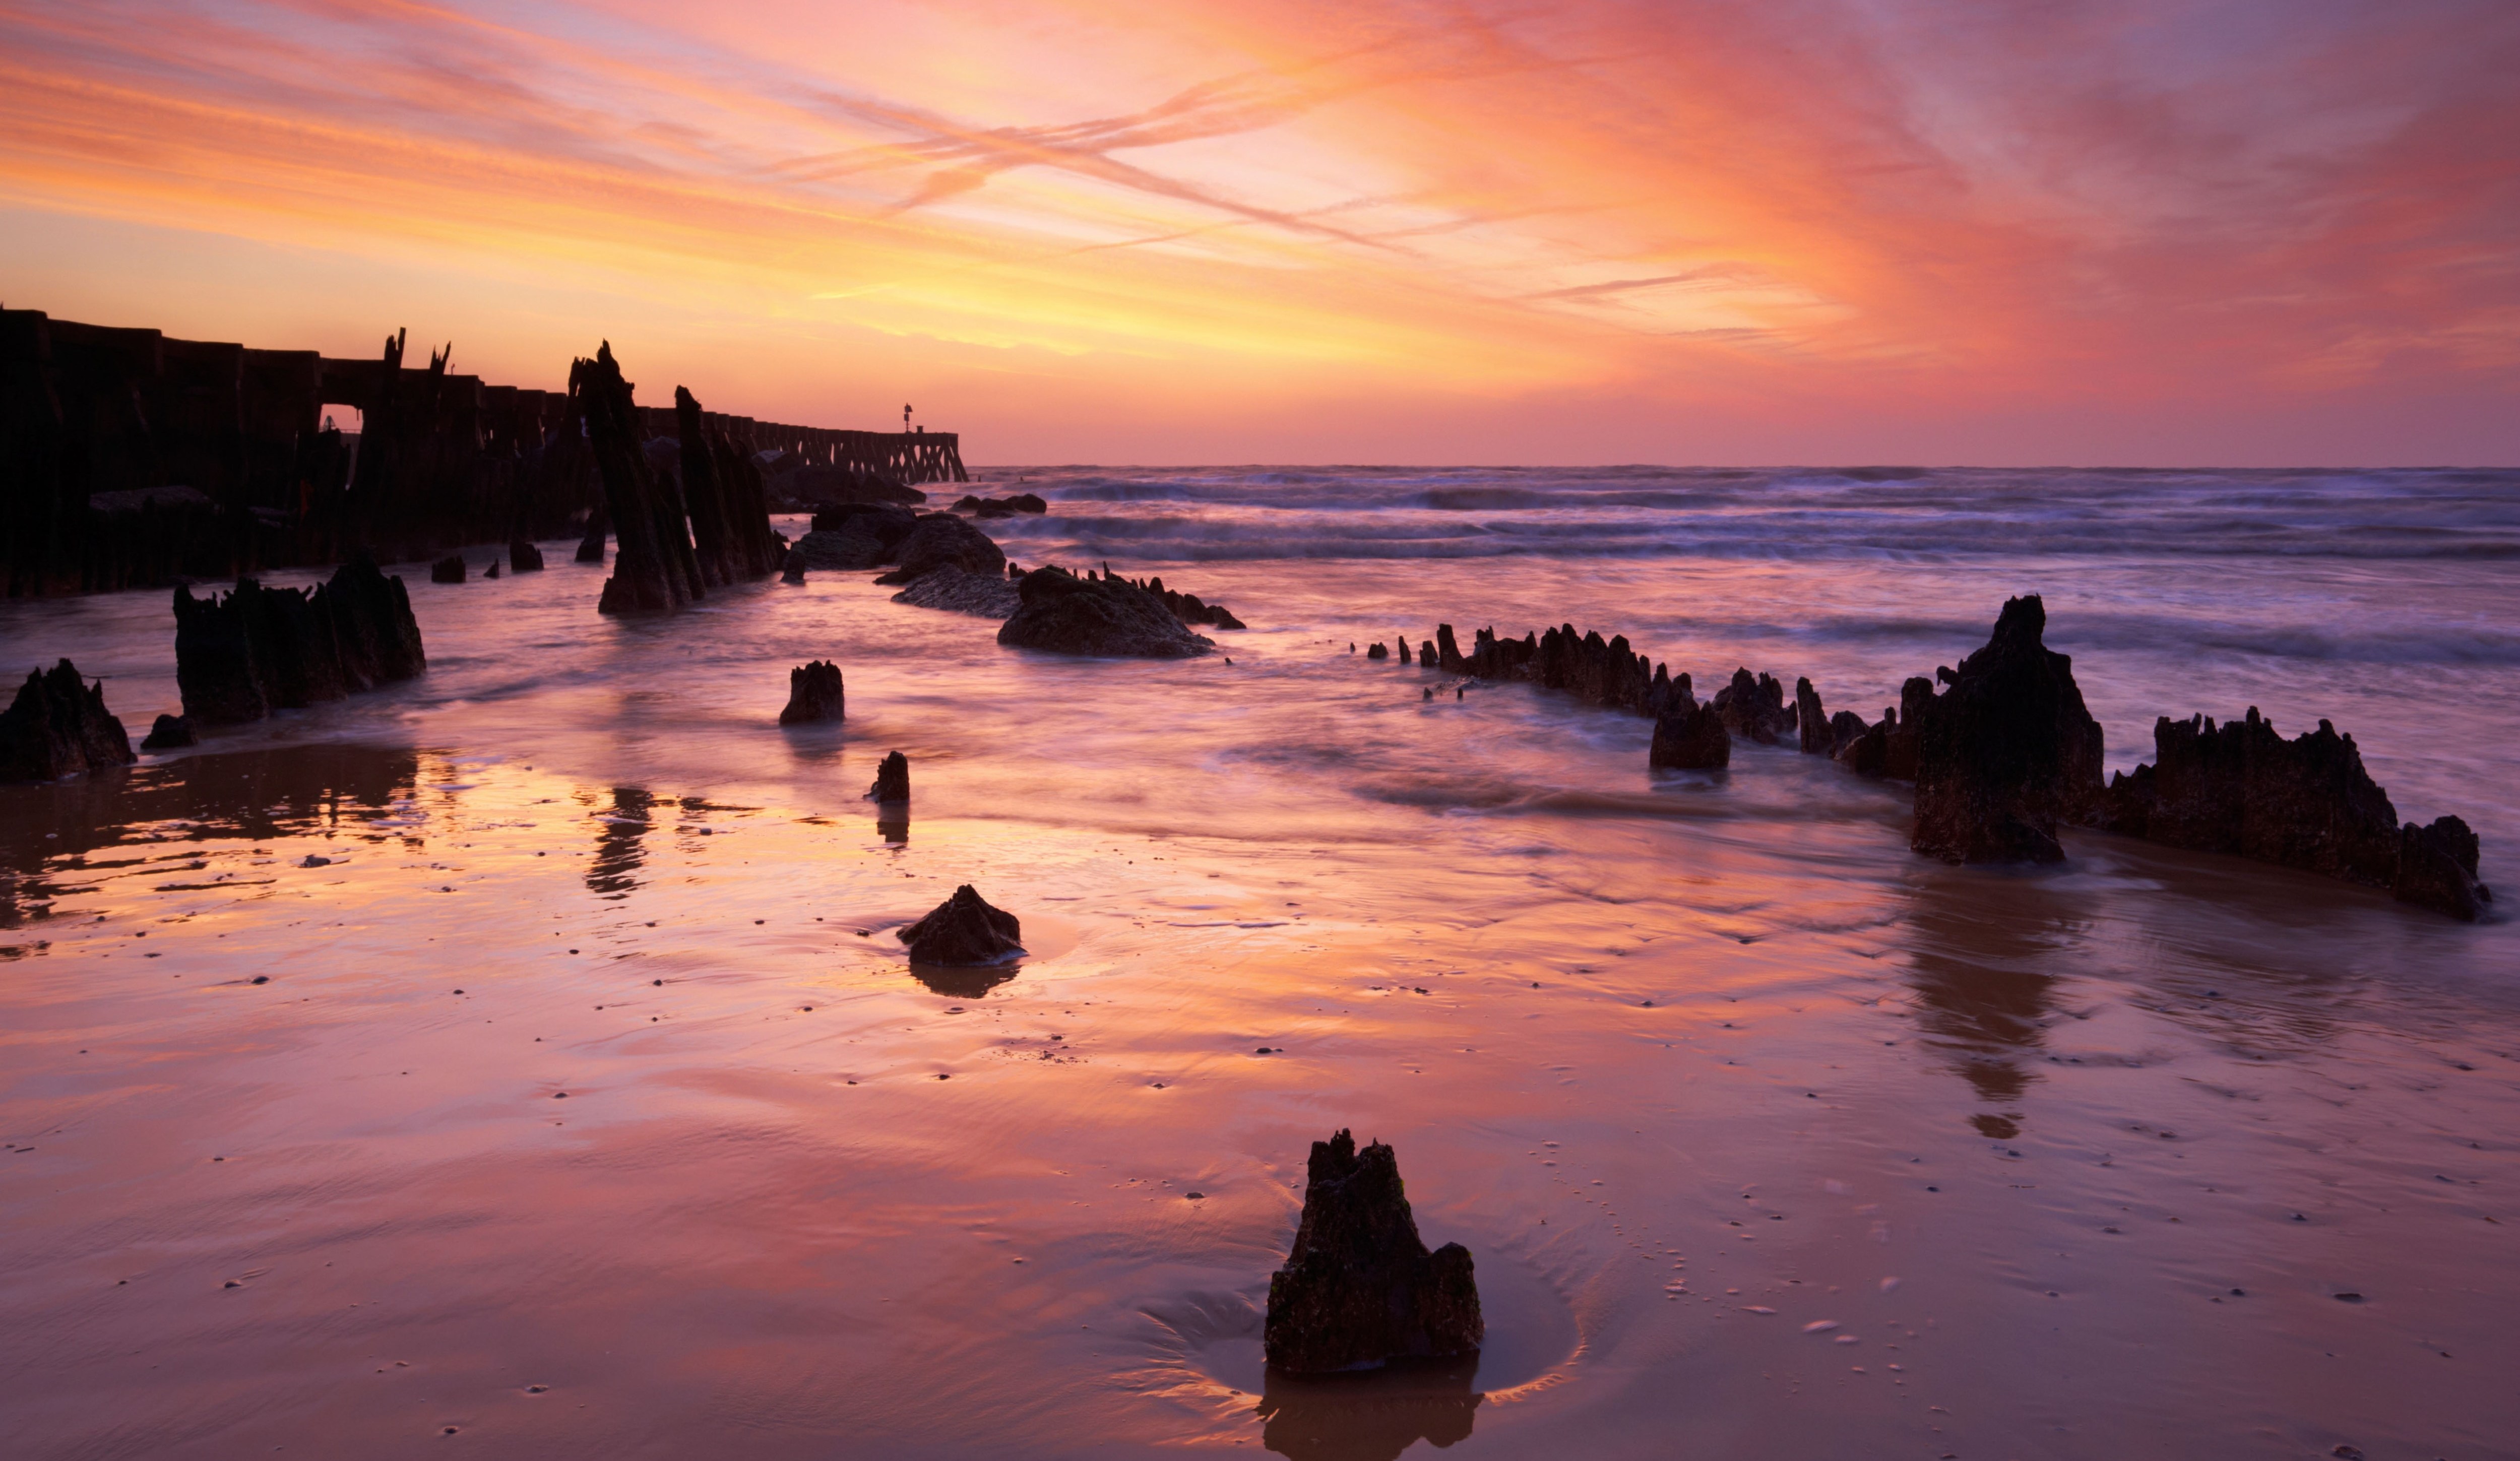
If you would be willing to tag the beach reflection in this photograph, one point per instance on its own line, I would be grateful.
(1372, 1416)
(620, 848)
(1979, 961)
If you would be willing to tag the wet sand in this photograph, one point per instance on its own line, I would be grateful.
(589, 1108)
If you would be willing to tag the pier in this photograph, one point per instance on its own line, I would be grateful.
(129, 458)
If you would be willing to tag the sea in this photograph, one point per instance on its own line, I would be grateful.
(522, 1059)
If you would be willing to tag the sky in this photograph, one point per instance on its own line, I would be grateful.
(1934, 231)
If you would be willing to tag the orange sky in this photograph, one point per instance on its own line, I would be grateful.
(2276, 231)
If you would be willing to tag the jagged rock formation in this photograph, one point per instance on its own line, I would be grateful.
(447, 570)
(1754, 709)
(523, 556)
(963, 930)
(1689, 736)
(1607, 673)
(963, 592)
(2308, 803)
(891, 779)
(2008, 753)
(1358, 1287)
(815, 695)
(1821, 736)
(170, 733)
(58, 727)
(1187, 607)
(942, 540)
(653, 566)
(239, 656)
(1888, 748)
(1075, 615)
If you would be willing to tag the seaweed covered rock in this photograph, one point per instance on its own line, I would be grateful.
(891, 779)
(2437, 869)
(815, 695)
(1358, 1287)
(960, 591)
(941, 539)
(170, 733)
(58, 726)
(525, 556)
(2008, 753)
(447, 570)
(963, 930)
(1754, 708)
(1075, 615)
(1689, 736)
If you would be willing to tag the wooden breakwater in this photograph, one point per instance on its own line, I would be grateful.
(129, 459)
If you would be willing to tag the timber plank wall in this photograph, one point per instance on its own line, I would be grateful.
(129, 459)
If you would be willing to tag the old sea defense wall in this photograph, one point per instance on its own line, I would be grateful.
(129, 459)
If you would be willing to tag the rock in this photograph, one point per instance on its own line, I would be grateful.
(1607, 673)
(815, 695)
(963, 592)
(1867, 751)
(1375, 650)
(492, 571)
(524, 557)
(1426, 654)
(1754, 709)
(1187, 607)
(590, 549)
(891, 779)
(170, 733)
(792, 571)
(1898, 749)
(1447, 651)
(1843, 728)
(2008, 753)
(1688, 736)
(1358, 1287)
(447, 570)
(2437, 869)
(1027, 501)
(58, 727)
(962, 931)
(840, 552)
(1819, 735)
(942, 540)
(826, 485)
(1074, 616)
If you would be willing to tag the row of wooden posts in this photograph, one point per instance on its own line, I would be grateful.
(129, 458)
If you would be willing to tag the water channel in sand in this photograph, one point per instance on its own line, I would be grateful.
(589, 1109)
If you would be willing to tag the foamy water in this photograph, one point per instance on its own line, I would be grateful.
(1690, 1063)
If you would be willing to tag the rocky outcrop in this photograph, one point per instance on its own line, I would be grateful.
(170, 733)
(525, 556)
(963, 592)
(1187, 607)
(1001, 507)
(653, 566)
(239, 656)
(963, 930)
(447, 570)
(891, 779)
(942, 540)
(1754, 709)
(1604, 671)
(1689, 736)
(1084, 615)
(815, 695)
(1358, 1287)
(2437, 869)
(1818, 734)
(58, 727)
(2308, 803)
(1888, 747)
(823, 486)
(837, 551)
(2008, 753)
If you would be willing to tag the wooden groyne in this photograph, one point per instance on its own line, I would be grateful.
(130, 459)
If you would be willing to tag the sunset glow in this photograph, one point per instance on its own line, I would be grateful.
(1084, 229)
